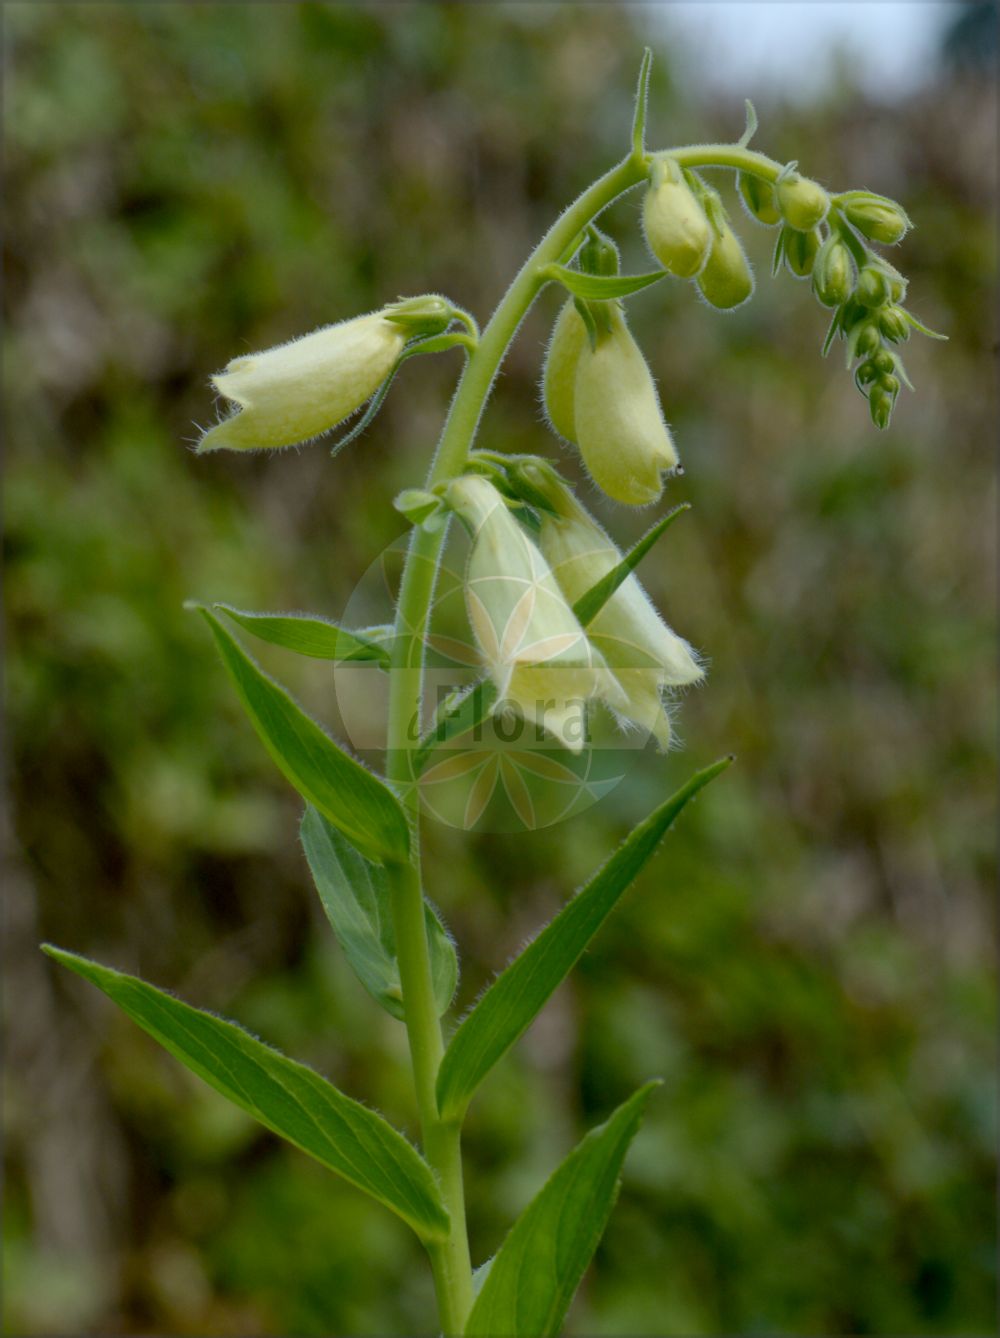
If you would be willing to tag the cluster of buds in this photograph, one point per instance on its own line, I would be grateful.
(826, 239)
(535, 553)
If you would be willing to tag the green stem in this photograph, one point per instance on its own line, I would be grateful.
(442, 1140)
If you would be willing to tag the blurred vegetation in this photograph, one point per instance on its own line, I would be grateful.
(809, 961)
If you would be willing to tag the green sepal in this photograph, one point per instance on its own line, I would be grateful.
(439, 343)
(286, 1097)
(355, 801)
(590, 603)
(518, 994)
(641, 101)
(534, 1276)
(600, 287)
(356, 898)
(424, 509)
(306, 634)
(750, 129)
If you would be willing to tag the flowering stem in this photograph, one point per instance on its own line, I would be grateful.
(442, 1140)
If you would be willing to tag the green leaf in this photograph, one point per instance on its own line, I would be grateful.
(590, 603)
(288, 1098)
(455, 718)
(355, 895)
(536, 1272)
(517, 995)
(354, 800)
(600, 287)
(308, 635)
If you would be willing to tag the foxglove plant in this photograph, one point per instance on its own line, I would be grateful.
(563, 631)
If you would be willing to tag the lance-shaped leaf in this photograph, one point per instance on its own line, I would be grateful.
(589, 605)
(536, 1272)
(288, 1098)
(517, 995)
(355, 895)
(455, 718)
(600, 287)
(316, 637)
(354, 800)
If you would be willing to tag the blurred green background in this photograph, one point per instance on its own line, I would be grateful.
(809, 961)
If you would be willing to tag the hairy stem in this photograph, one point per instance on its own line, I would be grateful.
(442, 1140)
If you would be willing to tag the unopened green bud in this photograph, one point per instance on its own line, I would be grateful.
(880, 405)
(800, 250)
(890, 384)
(726, 281)
(677, 230)
(884, 362)
(867, 373)
(623, 439)
(894, 325)
(875, 216)
(897, 282)
(296, 391)
(569, 338)
(833, 272)
(873, 286)
(867, 341)
(758, 197)
(803, 203)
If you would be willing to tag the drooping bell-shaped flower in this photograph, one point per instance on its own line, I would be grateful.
(537, 654)
(294, 392)
(645, 656)
(624, 441)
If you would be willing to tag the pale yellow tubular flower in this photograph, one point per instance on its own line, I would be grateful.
(569, 336)
(643, 653)
(624, 441)
(541, 663)
(296, 391)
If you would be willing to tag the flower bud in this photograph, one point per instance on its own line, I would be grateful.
(759, 199)
(569, 337)
(726, 281)
(873, 286)
(623, 439)
(644, 655)
(803, 203)
(876, 216)
(800, 250)
(880, 403)
(296, 391)
(677, 230)
(893, 324)
(885, 363)
(866, 341)
(536, 652)
(866, 374)
(833, 272)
